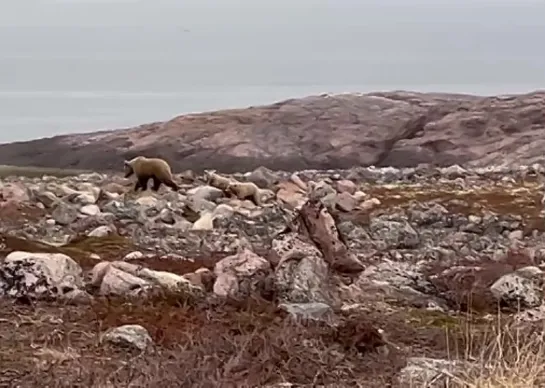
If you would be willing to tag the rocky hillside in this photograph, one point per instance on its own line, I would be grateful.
(413, 277)
(399, 129)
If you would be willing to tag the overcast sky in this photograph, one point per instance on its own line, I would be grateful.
(75, 65)
(153, 12)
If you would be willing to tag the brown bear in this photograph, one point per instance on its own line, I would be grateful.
(216, 180)
(248, 190)
(150, 168)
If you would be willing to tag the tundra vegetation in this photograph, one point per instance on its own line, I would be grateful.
(416, 277)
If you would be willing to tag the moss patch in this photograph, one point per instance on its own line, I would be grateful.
(428, 318)
(108, 248)
(36, 172)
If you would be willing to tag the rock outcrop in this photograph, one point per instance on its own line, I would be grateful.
(398, 129)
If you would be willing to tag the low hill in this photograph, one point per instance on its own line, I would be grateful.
(327, 131)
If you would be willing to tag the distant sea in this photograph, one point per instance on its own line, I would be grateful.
(89, 70)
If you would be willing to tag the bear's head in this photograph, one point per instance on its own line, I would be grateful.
(208, 174)
(233, 187)
(128, 168)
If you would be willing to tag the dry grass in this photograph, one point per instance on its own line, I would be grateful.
(253, 343)
(227, 344)
(523, 200)
(465, 283)
(507, 355)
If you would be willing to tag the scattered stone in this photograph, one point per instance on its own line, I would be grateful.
(13, 193)
(369, 204)
(64, 214)
(515, 288)
(298, 182)
(86, 198)
(301, 274)
(346, 202)
(346, 186)
(77, 297)
(109, 280)
(394, 234)
(129, 335)
(123, 278)
(38, 275)
(147, 201)
(291, 194)
(321, 189)
(90, 210)
(317, 311)
(429, 372)
(205, 222)
(262, 177)
(133, 256)
(239, 275)
(372, 240)
(101, 231)
(47, 198)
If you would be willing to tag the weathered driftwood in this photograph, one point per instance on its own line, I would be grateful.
(316, 223)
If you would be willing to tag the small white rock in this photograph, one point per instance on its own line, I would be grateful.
(132, 335)
(101, 231)
(133, 256)
(90, 210)
(147, 201)
(206, 222)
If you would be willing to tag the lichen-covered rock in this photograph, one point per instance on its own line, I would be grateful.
(123, 278)
(64, 214)
(321, 190)
(102, 231)
(520, 287)
(37, 275)
(263, 177)
(301, 274)
(199, 204)
(129, 335)
(11, 193)
(109, 280)
(394, 234)
(90, 210)
(346, 186)
(47, 198)
(346, 202)
(430, 372)
(239, 275)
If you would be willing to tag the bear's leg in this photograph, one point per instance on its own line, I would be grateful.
(256, 199)
(172, 185)
(143, 183)
(156, 184)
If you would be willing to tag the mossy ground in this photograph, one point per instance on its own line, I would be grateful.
(109, 248)
(232, 344)
(523, 199)
(36, 172)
